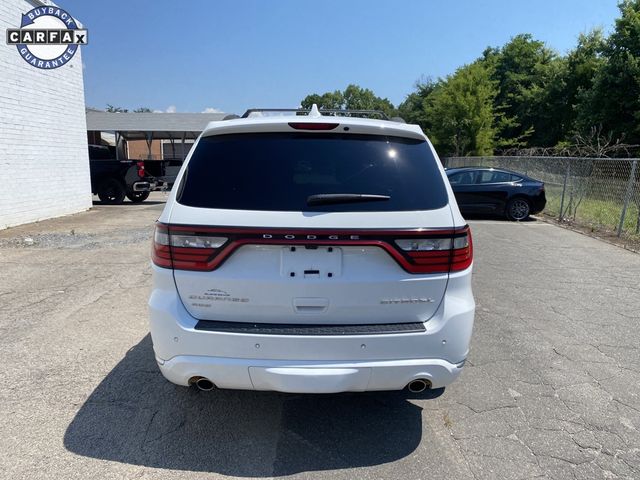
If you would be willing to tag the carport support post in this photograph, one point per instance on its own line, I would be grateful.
(564, 189)
(149, 139)
(627, 196)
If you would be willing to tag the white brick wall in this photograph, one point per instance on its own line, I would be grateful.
(44, 165)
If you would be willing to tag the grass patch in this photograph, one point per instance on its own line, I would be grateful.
(595, 213)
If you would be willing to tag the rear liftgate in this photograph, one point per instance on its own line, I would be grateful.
(305, 282)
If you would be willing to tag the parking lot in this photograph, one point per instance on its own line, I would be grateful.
(551, 388)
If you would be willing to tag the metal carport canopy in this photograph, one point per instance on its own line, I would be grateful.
(143, 126)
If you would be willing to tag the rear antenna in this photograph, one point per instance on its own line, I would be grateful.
(314, 112)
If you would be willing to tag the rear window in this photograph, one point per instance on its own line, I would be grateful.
(279, 171)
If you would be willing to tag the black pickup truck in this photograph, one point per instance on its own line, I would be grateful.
(113, 180)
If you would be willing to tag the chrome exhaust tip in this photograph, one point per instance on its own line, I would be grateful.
(417, 386)
(203, 384)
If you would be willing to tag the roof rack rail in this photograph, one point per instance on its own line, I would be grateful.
(323, 111)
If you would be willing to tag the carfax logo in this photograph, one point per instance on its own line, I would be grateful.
(48, 37)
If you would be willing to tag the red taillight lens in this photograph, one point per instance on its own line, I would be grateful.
(313, 126)
(141, 172)
(161, 250)
(439, 254)
(462, 252)
(184, 250)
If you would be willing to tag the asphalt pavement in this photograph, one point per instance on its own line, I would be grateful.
(551, 388)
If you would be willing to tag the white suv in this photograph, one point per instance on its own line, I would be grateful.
(311, 254)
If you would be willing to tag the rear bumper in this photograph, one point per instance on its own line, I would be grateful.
(144, 186)
(538, 203)
(308, 376)
(311, 363)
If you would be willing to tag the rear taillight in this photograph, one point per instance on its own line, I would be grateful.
(161, 251)
(184, 251)
(141, 172)
(439, 254)
(205, 248)
(462, 252)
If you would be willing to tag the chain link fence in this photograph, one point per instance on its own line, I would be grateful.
(600, 195)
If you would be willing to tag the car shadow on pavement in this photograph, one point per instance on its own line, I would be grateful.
(135, 416)
(128, 203)
(486, 216)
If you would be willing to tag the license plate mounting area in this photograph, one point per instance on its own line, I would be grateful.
(311, 262)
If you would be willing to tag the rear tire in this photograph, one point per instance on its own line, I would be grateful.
(138, 197)
(111, 192)
(518, 209)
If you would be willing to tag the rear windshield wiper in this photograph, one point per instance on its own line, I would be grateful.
(330, 198)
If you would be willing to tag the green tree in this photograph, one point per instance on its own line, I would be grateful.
(329, 100)
(412, 110)
(613, 103)
(461, 112)
(142, 110)
(570, 79)
(358, 98)
(550, 118)
(353, 97)
(110, 108)
(522, 69)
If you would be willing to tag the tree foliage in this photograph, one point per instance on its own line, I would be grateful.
(461, 107)
(613, 101)
(353, 97)
(329, 100)
(522, 69)
(113, 109)
(523, 96)
(412, 109)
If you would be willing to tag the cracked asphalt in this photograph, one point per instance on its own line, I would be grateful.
(551, 388)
